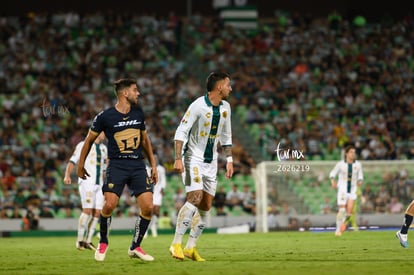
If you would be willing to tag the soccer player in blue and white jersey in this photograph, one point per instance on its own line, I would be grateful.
(206, 123)
(350, 178)
(90, 189)
(124, 127)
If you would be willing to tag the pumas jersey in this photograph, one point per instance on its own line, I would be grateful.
(202, 127)
(123, 132)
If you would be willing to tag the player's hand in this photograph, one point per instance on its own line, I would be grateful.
(229, 170)
(154, 175)
(82, 173)
(67, 180)
(178, 166)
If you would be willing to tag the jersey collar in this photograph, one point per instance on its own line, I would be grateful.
(208, 102)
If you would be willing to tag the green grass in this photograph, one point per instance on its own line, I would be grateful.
(364, 252)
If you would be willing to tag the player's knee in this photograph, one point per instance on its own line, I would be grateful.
(146, 211)
(195, 197)
(110, 205)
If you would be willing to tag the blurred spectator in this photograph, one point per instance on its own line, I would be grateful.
(288, 210)
(16, 214)
(367, 193)
(366, 204)
(31, 219)
(220, 199)
(249, 203)
(293, 223)
(49, 179)
(326, 207)
(271, 217)
(33, 198)
(306, 225)
(220, 211)
(7, 200)
(380, 205)
(8, 181)
(246, 192)
(401, 189)
(234, 197)
(19, 198)
(273, 195)
(46, 212)
(3, 213)
(395, 206)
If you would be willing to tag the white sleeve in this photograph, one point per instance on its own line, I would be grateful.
(334, 171)
(226, 135)
(187, 122)
(76, 154)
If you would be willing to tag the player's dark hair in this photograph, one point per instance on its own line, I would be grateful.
(123, 83)
(213, 78)
(349, 147)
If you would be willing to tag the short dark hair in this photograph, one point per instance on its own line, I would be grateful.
(213, 78)
(123, 83)
(349, 147)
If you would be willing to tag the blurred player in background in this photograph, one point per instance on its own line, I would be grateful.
(90, 189)
(350, 177)
(402, 234)
(158, 194)
(124, 127)
(206, 122)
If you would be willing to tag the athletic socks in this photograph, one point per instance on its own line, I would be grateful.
(83, 223)
(105, 224)
(91, 229)
(184, 218)
(141, 226)
(408, 219)
(197, 227)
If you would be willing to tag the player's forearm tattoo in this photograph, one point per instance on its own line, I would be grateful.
(178, 149)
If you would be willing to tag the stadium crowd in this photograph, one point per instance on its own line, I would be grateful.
(308, 83)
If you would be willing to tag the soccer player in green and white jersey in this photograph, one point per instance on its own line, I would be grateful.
(206, 123)
(350, 177)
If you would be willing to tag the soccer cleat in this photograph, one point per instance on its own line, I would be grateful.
(90, 246)
(338, 233)
(402, 238)
(80, 245)
(192, 253)
(176, 251)
(139, 253)
(101, 252)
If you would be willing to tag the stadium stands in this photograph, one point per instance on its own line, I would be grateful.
(309, 85)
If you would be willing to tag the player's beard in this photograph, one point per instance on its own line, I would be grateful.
(223, 95)
(132, 101)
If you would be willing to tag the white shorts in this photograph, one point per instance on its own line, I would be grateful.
(343, 197)
(91, 195)
(199, 175)
(157, 198)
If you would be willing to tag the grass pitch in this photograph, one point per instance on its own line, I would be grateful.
(363, 252)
